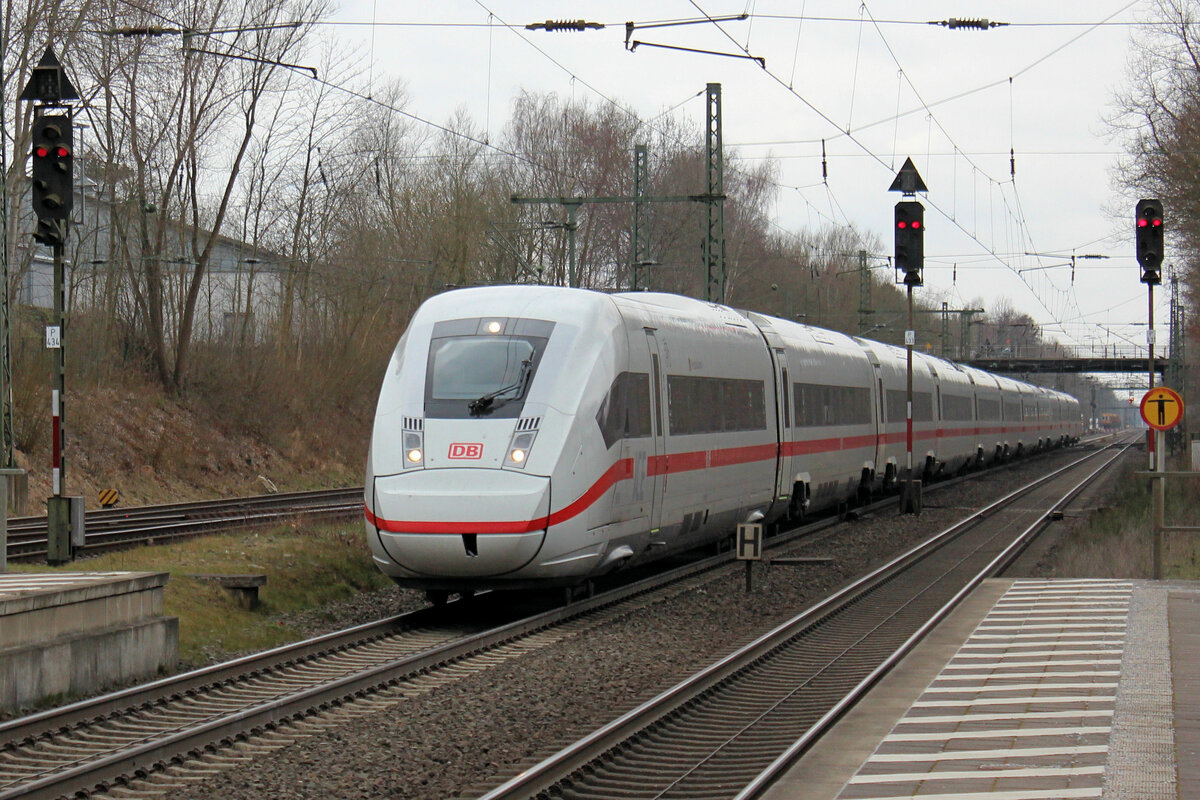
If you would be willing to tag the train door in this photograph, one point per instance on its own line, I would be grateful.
(783, 414)
(879, 421)
(938, 426)
(656, 474)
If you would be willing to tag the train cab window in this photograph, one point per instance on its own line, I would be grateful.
(484, 373)
(625, 411)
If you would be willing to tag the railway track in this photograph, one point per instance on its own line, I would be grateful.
(176, 729)
(174, 726)
(729, 730)
(111, 529)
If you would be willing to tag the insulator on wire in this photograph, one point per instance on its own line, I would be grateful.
(564, 25)
(978, 24)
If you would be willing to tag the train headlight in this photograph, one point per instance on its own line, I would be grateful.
(518, 449)
(414, 449)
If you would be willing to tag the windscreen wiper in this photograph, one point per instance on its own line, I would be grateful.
(484, 405)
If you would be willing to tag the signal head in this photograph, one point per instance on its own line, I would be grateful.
(1148, 234)
(910, 241)
(52, 173)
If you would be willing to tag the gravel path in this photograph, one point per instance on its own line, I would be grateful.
(456, 740)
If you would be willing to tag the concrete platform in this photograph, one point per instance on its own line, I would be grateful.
(1030, 690)
(77, 633)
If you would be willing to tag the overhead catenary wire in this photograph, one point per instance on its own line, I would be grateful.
(953, 219)
(830, 199)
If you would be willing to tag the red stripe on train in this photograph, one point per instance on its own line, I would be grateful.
(665, 465)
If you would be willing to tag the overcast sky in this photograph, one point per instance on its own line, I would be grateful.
(875, 83)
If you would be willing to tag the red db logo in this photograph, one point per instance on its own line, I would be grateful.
(472, 450)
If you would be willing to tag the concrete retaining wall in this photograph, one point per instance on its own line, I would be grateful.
(78, 634)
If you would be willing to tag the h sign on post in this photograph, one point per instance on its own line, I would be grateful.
(749, 541)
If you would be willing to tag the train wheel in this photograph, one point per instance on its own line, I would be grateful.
(931, 469)
(865, 483)
(795, 511)
(580, 591)
(889, 479)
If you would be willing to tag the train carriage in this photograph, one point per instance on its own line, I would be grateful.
(828, 416)
(534, 435)
(957, 446)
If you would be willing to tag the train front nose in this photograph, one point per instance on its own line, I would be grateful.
(460, 523)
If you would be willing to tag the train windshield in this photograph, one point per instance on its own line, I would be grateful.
(480, 376)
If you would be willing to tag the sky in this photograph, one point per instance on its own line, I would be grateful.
(872, 84)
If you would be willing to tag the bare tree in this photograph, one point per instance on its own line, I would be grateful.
(27, 28)
(178, 126)
(1157, 122)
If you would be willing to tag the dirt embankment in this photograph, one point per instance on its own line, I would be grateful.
(153, 448)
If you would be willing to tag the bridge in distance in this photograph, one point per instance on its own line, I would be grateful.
(1029, 366)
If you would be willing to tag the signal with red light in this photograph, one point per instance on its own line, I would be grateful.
(910, 241)
(1148, 233)
(53, 177)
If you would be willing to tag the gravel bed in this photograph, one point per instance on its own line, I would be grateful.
(358, 610)
(456, 740)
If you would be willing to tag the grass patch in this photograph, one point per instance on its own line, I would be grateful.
(1117, 541)
(306, 566)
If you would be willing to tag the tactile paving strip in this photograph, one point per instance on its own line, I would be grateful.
(1024, 710)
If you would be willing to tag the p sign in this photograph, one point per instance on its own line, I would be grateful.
(466, 450)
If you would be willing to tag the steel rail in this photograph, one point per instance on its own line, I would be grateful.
(773, 771)
(143, 757)
(166, 522)
(108, 529)
(138, 759)
(547, 776)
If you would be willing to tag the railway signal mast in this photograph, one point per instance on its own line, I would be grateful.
(910, 258)
(1148, 240)
(53, 194)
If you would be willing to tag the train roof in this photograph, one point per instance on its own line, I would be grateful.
(576, 305)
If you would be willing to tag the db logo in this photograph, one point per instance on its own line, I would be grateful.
(465, 450)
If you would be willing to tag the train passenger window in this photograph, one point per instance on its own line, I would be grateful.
(956, 408)
(818, 405)
(897, 404)
(922, 406)
(714, 405)
(989, 409)
(625, 411)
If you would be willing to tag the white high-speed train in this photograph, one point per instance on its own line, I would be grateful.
(534, 435)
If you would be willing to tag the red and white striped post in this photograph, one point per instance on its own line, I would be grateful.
(56, 465)
(58, 510)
